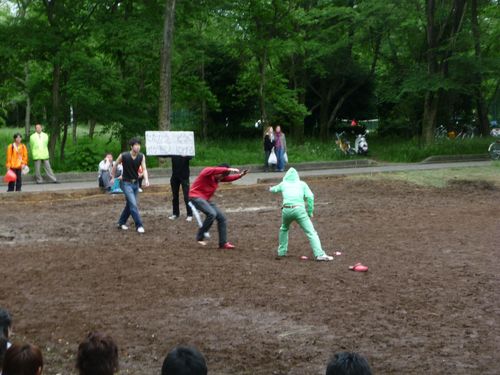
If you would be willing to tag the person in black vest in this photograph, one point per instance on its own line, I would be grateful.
(180, 177)
(131, 161)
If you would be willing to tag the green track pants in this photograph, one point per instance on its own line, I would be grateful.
(299, 215)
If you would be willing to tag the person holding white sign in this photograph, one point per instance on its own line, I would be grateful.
(131, 162)
(180, 177)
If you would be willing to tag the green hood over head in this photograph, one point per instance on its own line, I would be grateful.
(291, 176)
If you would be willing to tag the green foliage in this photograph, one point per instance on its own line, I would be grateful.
(84, 157)
(300, 63)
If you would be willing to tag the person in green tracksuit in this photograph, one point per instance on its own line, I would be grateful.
(294, 192)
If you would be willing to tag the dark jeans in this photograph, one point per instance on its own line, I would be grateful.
(175, 184)
(19, 181)
(212, 213)
(130, 190)
(266, 160)
(281, 162)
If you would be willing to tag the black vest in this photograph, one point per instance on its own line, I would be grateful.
(131, 166)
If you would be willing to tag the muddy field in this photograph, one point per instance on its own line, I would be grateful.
(428, 305)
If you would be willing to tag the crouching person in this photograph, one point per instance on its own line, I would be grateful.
(294, 192)
(105, 168)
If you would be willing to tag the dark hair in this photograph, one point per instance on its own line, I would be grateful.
(17, 135)
(348, 363)
(5, 322)
(184, 360)
(97, 355)
(225, 165)
(22, 360)
(108, 153)
(134, 141)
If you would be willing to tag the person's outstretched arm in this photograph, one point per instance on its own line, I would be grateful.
(236, 176)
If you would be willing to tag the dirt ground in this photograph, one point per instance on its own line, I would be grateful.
(429, 303)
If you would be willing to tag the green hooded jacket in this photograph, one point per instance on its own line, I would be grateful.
(294, 191)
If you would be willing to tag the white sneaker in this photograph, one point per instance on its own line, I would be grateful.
(122, 227)
(173, 217)
(324, 258)
(189, 218)
(206, 235)
(140, 230)
(140, 190)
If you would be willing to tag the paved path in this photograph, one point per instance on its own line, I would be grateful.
(253, 178)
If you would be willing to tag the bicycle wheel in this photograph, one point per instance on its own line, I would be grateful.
(494, 150)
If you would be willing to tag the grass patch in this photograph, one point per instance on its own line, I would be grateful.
(413, 150)
(444, 177)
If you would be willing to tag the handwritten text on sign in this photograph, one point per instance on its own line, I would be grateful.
(163, 143)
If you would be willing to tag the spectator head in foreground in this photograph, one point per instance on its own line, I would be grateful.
(3, 349)
(184, 360)
(97, 355)
(23, 360)
(5, 323)
(348, 363)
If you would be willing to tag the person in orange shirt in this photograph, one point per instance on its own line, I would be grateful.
(17, 159)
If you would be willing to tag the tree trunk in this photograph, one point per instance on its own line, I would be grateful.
(482, 109)
(262, 87)
(27, 117)
(55, 126)
(323, 111)
(92, 123)
(64, 138)
(204, 119)
(298, 84)
(74, 126)
(441, 41)
(430, 115)
(166, 67)
(431, 97)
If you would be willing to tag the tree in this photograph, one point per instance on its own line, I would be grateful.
(166, 67)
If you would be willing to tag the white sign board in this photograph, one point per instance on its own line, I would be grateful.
(166, 143)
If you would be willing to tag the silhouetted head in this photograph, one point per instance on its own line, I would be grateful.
(183, 360)
(348, 363)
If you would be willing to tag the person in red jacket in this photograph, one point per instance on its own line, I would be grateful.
(202, 190)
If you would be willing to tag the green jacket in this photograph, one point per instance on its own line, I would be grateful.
(39, 146)
(294, 191)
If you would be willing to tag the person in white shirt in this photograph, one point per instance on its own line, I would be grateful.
(105, 167)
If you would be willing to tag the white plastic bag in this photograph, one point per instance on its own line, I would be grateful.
(272, 158)
(285, 158)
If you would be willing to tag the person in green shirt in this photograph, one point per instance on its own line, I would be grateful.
(40, 153)
(294, 192)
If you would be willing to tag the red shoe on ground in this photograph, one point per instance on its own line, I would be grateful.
(227, 246)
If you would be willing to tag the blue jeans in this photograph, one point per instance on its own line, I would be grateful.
(280, 152)
(212, 213)
(130, 190)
